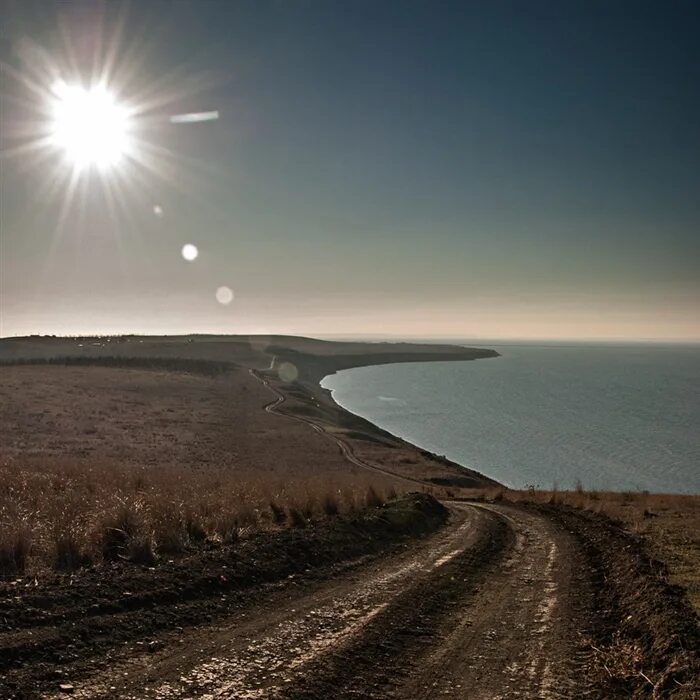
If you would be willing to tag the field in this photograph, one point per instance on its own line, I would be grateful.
(197, 518)
(167, 458)
(146, 449)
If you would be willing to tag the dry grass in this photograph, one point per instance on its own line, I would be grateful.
(68, 515)
(110, 463)
(153, 418)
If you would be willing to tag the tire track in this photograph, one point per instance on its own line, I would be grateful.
(345, 447)
(520, 635)
(497, 621)
(489, 607)
(259, 653)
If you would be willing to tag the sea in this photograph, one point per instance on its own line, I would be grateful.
(618, 417)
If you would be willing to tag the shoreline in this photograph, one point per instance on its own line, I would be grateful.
(408, 441)
(308, 400)
(194, 616)
(485, 422)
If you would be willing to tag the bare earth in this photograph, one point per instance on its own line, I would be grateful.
(489, 606)
(492, 603)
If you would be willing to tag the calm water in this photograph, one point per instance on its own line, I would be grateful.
(614, 417)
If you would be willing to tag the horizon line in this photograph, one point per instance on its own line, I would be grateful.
(374, 337)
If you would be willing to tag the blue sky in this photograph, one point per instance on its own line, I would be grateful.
(400, 168)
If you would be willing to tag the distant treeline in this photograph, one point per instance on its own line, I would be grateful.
(172, 364)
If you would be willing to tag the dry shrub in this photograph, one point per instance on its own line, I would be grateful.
(15, 546)
(170, 532)
(308, 507)
(228, 528)
(330, 504)
(123, 534)
(553, 496)
(171, 537)
(141, 549)
(296, 519)
(70, 551)
(81, 512)
(171, 540)
(499, 496)
(349, 500)
(194, 526)
(279, 516)
(372, 498)
(620, 661)
(247, 516)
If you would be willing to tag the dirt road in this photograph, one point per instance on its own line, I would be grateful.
(344, 446)
(488, 607)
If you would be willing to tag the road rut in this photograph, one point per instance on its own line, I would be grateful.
(484, 608)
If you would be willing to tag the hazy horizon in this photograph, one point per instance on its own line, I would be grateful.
(476, 341)
(398, 169)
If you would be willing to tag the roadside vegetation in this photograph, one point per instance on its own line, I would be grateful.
(64, 516)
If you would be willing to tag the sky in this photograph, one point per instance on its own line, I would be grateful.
(393, 169)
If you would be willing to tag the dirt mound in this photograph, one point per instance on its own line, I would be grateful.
(647, 636)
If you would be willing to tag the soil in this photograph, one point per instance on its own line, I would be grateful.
(67, 623)
(646, 640)
(491, 601)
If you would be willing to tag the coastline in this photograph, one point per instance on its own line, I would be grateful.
(293, 366)
(305, 399)
(613, 420)
(335, 447)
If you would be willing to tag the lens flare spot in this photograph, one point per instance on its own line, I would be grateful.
(193, 117)
(287, 372)
(224, 295)
(260, 339)
(189, 252)
(158, 211)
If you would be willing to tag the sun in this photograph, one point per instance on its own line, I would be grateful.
(89, 126)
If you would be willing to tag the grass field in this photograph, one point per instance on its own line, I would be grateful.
(105, 462)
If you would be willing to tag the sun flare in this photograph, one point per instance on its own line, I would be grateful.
(89, 126)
